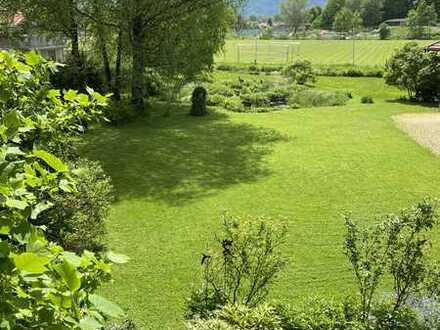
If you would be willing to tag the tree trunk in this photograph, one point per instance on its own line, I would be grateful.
(105, 59)
(138, 65)
(74, 34)
(118, 77)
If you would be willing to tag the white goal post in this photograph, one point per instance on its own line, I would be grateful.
(268, 52)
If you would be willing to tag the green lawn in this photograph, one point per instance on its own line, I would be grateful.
(367, 52)
(175, 176)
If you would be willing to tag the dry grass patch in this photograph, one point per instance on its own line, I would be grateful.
(424, 128)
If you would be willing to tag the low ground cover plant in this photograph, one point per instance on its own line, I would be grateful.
(260, 95)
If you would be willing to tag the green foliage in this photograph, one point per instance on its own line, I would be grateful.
(367, 100)
(41, 285)
(406, 249)
(319, 313)
(347, 20)
(317, 98)
(294, 13)
(76, 221)
(416, 71)
(300, 72)
(57, 117)
(198, 101)
(241, 267)
(78, 76)
(349, 71)
(384, 31)
(397, 247)
(364, 250)
(423, 15)
(386, 318)
(232, 317)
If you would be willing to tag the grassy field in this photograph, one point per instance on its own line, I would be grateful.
(174, 177)
(367, 52)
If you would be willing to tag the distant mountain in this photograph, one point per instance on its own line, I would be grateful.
(270, 7)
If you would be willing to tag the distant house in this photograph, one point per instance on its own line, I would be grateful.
(50, 48)
(435, 47)
(397, 22)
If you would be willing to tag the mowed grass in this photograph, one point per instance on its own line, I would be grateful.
(323, 52)
(175, 176)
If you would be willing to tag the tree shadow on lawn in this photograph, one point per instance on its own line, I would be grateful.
(412, 103)
(180, 158)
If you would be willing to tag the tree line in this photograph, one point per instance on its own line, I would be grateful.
(349, 15)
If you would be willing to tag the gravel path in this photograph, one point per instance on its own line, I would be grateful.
(424, 128)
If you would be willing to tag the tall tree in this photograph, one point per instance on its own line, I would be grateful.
(330, 11)
(396, 8)
(372, 12)
(347, 21)
(294, 13)
(147, 22)
(424, 15)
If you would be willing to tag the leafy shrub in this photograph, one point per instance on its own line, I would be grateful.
(240, 268)
(319, 313)
(199, 100)
(416, 71)
(210, 324)
(384, 317)
(350, 71)
(367, 100)
(216, 100)
(301, 72)
(316, 98)
(234, 104)
(398, 247)
(384, 31)
(77, 220)
(260, 317)
(42, 286)
(120, 112)
(225, 67)
(154, 84)
(223, 89)
(78, 77)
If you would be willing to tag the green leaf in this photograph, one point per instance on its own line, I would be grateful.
(40, 207)
(32, 58)
(70, 95)
(11, 120)
(105, 306)
(117, 258)
(72, 258)
(51, 160)
(69, 274)
(16, 204)
(89, 323)
(14, 151)
(31, 262)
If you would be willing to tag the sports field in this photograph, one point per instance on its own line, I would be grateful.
(366, 52)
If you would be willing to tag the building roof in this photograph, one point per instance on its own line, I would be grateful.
(396, 20)
(434, 47)
(17, 19)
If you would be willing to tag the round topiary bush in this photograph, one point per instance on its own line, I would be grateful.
(199, 100)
